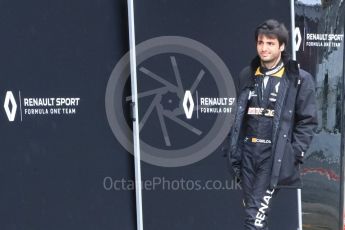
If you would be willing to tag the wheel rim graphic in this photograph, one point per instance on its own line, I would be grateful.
(165, 99)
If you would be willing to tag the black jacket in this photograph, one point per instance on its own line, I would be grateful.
(294, 123)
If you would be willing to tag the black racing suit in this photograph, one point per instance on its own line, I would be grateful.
(257, 147)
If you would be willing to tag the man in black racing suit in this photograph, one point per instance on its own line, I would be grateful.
(274, 123)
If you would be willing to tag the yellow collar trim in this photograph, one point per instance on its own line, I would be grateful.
(258, 72)
(280, 73)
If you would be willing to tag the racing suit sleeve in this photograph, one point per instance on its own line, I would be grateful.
(305, 122)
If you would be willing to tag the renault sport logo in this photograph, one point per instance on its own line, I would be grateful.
(188, 104)
(298, 38)
(10, 111)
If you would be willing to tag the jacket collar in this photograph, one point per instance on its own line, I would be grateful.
(290, 65)
(291, 68)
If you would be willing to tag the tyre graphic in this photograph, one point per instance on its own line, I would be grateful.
(168, 67)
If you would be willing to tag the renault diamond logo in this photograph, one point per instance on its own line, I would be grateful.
(188, 109)
(11, 113)
(298, 38)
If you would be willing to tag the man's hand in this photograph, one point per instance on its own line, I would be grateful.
(299, 159)
(236, 173)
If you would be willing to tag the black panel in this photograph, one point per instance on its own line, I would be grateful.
(321, 53)
(52, 167)
(226, 28)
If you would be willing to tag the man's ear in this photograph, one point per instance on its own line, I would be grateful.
(282, 47)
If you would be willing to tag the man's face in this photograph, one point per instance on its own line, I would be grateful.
(269, 50)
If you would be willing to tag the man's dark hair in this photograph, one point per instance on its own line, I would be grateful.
(273, 29)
